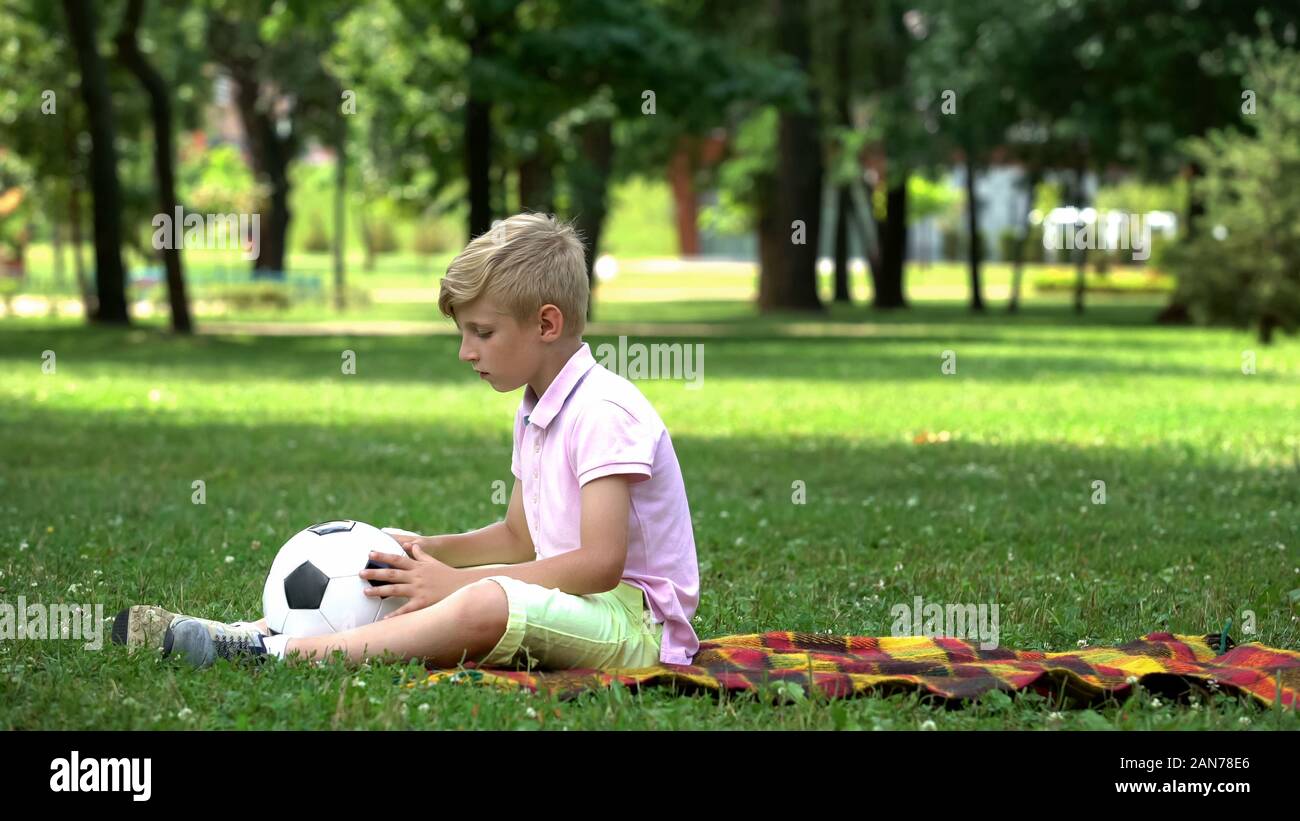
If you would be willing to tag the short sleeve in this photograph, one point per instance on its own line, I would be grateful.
(518, 441)
(606, 440)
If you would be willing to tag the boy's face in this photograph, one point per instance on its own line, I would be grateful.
(505, 354)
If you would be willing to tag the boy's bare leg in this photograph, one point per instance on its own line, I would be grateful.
(465, 626)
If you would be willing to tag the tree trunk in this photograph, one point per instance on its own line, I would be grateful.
(844, 202)
(1176, 312)
(1018, 253)
(799, 181)
(589, 185)
(773, 240)
(160, 111)
(110, 275)
(1267, 324)
(1080, 254)
(681, 177)
(478, 136)
(74, 233)
(56, 237)
(869, 231)
(367, 241)
(340, 218)
(271, 153)
(537, 179)
(893, 253)
(975, 249)
(844, 199)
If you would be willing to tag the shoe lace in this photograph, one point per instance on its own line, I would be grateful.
(233, 644)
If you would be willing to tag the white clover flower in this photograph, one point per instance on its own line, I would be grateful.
(1244, 720)
(230, 559)
(1132, 679)
(928, 724)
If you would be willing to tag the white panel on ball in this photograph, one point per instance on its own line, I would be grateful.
(306, 623)
(345, 604)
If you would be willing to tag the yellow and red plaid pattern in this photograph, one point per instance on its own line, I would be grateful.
(843, 666)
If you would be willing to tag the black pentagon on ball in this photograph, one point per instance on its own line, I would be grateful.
(374, 565)
(325, 528)
(305, 587)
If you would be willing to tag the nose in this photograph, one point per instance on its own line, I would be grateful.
(466, 354)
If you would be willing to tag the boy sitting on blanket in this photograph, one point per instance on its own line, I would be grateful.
(594, 565)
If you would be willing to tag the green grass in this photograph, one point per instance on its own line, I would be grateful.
(1201, 465)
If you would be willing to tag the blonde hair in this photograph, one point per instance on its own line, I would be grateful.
(523, 263)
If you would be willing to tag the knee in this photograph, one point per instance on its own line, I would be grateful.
(482, 607)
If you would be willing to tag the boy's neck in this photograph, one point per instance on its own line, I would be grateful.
(557, 356)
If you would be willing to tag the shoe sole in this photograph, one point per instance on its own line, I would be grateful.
(142, 625)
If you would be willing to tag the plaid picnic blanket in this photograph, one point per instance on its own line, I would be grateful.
(951, 669)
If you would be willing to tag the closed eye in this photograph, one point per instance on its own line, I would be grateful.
(484, 335)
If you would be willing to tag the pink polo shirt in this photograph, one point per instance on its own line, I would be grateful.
(592, 423)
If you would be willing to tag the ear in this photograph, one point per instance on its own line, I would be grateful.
(550, 322)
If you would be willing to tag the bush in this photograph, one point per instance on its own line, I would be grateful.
(1149, 281)
(1034, 251)
(316, 240)
(1244, 266)
(379, 236)
(432, 237)
(956, 247)
(252, 296)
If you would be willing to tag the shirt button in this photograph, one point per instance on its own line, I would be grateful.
(537, 448)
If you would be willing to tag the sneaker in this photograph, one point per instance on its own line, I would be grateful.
(202, 642)
(143, 626)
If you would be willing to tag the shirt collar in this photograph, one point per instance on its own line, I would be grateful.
(540, 412)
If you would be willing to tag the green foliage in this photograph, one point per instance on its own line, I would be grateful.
(1034, 250)
(930, 198)
(216, 180)
(739, 178)
(315, 239)
(1243, 267)
(252, 296)
(1119, 282)
(1136, 196)
(433, 236)
(379, 236)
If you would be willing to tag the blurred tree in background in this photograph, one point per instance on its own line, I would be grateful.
(1246, 268)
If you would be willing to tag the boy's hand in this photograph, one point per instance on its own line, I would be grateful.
(409, 540)
(419, 577)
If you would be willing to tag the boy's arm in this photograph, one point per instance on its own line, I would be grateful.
(597, 565)
(507, 542)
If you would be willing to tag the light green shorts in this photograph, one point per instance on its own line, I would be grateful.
(553, 630)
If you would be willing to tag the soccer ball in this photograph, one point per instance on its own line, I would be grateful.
(313, 587)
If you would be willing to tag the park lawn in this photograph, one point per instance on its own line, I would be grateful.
(1201, 465)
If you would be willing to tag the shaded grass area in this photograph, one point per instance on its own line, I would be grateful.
(1201, 465)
